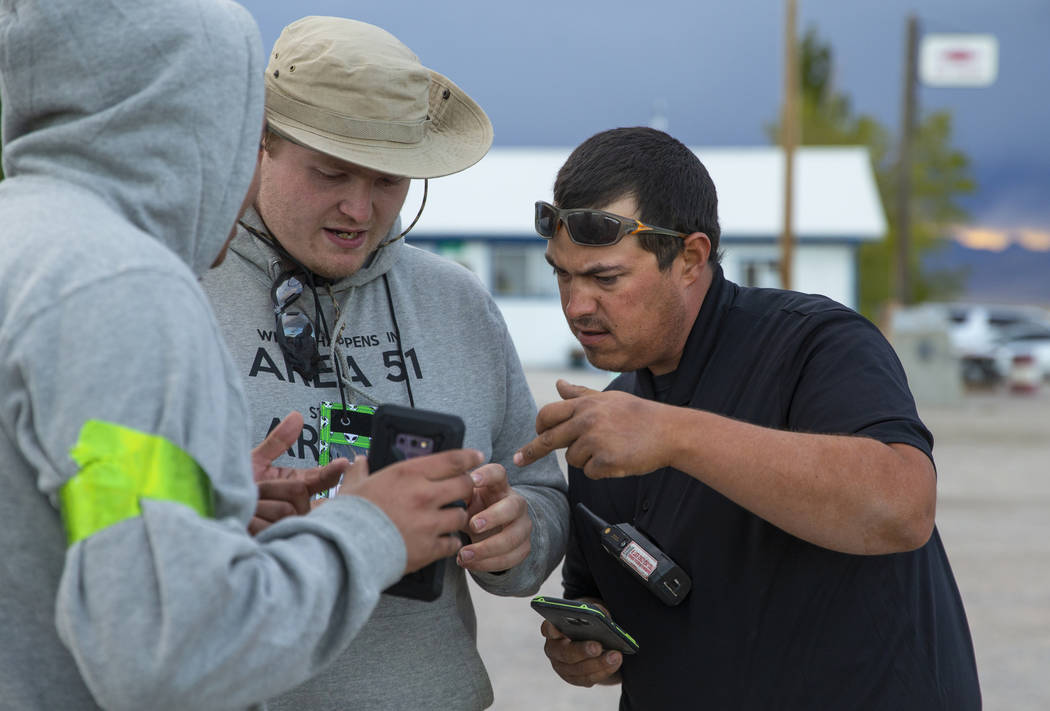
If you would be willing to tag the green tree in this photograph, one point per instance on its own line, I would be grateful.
(940, 174)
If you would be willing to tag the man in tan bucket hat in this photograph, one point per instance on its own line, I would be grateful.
(329, 312)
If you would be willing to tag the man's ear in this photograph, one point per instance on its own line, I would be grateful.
(696, 249)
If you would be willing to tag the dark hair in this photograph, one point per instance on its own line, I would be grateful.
(669, 183)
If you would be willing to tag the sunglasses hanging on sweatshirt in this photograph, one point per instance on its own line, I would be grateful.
(294, 331)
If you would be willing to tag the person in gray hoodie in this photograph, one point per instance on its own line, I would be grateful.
(129, 579)
(323, 302)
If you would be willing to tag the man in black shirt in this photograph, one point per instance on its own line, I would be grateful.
(765, 440)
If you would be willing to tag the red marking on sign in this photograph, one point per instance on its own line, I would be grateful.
(638, 560)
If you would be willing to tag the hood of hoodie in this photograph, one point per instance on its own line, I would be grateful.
(263, 256)
(155, 107)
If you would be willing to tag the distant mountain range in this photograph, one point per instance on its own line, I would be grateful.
(1013, 276)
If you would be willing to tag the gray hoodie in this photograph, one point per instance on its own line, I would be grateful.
(129, 139)
(455, 355)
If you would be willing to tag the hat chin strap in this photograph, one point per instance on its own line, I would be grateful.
(372, 256)
(280, 248)
(426, 184)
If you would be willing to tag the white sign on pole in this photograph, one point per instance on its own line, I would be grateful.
(958, 60)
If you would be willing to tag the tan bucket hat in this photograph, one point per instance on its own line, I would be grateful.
(355, 92)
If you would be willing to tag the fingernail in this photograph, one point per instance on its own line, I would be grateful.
(479, 524)
(612, 658)
(519, 458)
(477, 478)
(593, 649)
(466, 555)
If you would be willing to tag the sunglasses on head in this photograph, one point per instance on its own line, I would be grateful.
(294, 333)
(593, 228)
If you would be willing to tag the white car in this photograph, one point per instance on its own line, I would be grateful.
(1027, 339)
(976, 334)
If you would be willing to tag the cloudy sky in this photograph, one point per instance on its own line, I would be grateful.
(551, 73)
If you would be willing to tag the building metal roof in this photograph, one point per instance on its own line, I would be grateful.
(836, 197)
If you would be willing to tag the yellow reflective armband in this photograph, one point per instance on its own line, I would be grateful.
(120, 466)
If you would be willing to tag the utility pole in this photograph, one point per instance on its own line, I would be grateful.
(788, 141)
(909, 110)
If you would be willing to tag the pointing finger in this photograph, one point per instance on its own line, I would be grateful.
(280, 438)
(561, 436)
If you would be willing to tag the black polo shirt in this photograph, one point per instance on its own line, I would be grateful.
(774, 622)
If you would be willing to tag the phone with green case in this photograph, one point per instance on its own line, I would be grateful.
(581, 622)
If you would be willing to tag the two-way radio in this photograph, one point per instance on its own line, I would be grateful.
(654, 568)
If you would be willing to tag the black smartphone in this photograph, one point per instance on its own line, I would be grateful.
(581, 622)
(400, 433)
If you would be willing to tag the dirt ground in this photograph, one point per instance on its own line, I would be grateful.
(993, 459)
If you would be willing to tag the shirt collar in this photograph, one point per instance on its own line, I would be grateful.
(699, 346)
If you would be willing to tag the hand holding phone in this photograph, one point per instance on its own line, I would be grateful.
(582, 622)
(402, 433)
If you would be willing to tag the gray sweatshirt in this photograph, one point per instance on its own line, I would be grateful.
(456, 356)
(130, 132)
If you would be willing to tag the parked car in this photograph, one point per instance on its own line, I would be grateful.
(979, 333)
(1027, 339)
(976, 331)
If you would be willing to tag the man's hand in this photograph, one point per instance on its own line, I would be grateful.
(608, 434)
(580, 663)
(286, 491)
(413, 493)
(500, 527)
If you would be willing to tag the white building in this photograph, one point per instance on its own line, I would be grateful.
(483, 216)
